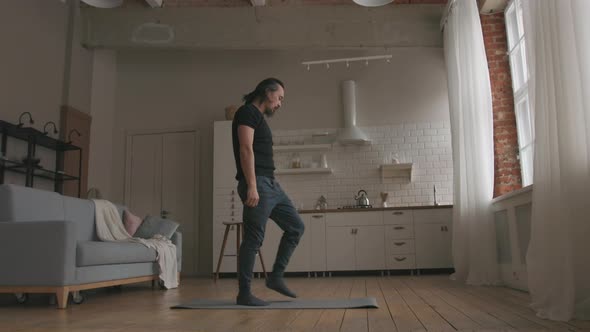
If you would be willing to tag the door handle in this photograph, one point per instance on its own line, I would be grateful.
(397, 213)
(399, 243)
(399, 228)
(317, 216)
(400, 259)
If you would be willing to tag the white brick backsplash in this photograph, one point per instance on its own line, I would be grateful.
(424, 139)
(417, 133)
(436, 125)
(444, 131)
(423, 126)
(430, 132)
(426, 144)
(397, 140)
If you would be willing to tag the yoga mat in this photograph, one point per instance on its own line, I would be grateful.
(357, 303)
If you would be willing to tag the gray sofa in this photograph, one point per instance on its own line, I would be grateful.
(48, 244)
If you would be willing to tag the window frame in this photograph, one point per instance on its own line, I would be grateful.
(515, 27)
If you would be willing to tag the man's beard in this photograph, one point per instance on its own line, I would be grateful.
(269, 112)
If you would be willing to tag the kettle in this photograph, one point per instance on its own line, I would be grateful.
(362, 199)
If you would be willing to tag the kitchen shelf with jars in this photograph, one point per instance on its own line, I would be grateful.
(291, 162)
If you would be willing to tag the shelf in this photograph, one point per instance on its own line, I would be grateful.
(302, 147)
(18, 167)
(26, 133)
(303, 171)
(396, 171)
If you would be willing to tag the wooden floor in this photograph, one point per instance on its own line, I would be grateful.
(406, 303)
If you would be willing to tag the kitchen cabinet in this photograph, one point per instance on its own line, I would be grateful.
(355, 241)
(317, 232)
(399, 240)
(310, 254)
(433, 229)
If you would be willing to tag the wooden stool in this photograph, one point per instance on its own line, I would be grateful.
(239, 235)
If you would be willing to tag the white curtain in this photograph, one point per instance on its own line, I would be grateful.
(557, 33)
(474, 244)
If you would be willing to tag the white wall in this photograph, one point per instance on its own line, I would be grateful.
(102, 110)
(159, 90)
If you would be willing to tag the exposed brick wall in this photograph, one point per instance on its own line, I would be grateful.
(506, 164)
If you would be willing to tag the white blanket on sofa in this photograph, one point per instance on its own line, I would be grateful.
(109, 227)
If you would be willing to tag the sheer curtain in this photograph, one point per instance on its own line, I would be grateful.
(474, 245)
(558, 257)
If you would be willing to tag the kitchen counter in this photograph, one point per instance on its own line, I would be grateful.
(379, 209)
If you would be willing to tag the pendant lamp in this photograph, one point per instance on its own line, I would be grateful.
(372, 3)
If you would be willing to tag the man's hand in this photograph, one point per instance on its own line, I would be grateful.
(252, 197)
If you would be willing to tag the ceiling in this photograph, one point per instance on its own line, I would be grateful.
(242, 3)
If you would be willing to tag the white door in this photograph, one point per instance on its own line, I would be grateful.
(162, 181)
(340, 248)
(370, 247)
(433, 246)
(143, 194)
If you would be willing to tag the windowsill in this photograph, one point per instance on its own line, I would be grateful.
(512, 194)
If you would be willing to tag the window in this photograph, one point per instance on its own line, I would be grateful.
(520, 85)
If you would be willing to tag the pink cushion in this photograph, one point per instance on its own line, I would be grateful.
(131, 222)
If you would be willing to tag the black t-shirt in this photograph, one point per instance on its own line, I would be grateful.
(250, 116)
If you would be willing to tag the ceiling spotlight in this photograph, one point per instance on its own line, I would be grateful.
(372, 3)
(103, 3)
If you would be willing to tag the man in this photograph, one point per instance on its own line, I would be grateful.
(260, 193)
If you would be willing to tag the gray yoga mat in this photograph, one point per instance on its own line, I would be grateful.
(357, 303)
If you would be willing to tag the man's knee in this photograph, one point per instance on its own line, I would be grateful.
(252, 242)
(297, 230)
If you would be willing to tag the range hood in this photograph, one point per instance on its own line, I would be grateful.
(350, 134)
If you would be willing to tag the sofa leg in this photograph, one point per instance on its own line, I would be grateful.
(62, 297)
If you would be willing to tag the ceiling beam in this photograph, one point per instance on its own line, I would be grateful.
(268, 27)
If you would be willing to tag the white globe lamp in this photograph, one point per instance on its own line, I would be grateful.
(372, 3)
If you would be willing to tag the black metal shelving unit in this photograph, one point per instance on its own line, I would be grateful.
(34, 138)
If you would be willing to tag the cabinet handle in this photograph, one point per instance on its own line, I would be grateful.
(399, 227)
(397, 213)
(400, 259)
(442, 228)
(399, 243)
(317, 216)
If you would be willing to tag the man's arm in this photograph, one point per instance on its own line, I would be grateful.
(246, 139)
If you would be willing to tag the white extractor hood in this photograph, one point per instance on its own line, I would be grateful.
(350, 134)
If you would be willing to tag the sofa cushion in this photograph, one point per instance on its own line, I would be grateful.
(131, 222)
(18, 203)
(153, 225)
(91, 253)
